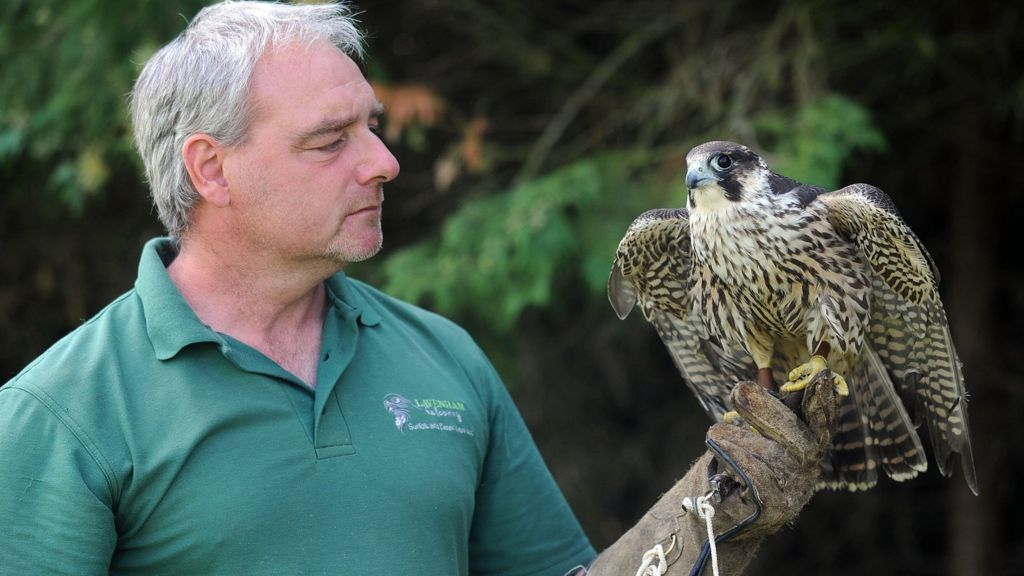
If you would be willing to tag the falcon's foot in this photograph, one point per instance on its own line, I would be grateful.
(732, 417)
(802, 375)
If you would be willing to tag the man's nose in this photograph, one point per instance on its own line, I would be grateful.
(380, 163)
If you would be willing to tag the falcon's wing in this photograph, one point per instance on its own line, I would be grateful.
(652, 268)
(707, 370)
(908, 323)
(652, 263)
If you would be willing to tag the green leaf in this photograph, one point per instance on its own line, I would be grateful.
(813, 143)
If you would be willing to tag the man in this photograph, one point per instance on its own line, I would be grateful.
(248, 409)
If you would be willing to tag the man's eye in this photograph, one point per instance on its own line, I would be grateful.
(331, 147)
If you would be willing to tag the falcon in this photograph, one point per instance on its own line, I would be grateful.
(761, 273)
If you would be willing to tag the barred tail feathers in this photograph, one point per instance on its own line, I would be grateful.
(875, 430)
(899, 447)
(851, 462)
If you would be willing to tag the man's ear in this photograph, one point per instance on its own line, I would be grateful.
(204, 160)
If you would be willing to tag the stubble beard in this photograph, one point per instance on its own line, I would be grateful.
(357, 253)
(349, 256)
(345, 251)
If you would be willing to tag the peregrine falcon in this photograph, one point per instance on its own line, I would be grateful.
(761, 273)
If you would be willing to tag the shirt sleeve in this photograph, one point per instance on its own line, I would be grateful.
(522, 524)
(55, 510)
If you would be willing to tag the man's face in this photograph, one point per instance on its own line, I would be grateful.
(307, 182)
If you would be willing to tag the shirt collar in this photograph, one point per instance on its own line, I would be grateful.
(349, 301)
(171, 323)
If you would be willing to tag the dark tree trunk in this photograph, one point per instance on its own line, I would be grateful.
(973, 249)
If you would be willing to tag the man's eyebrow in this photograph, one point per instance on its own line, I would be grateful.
(333, 125)
(327, 126)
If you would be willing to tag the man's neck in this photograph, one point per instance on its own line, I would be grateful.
(274, 308)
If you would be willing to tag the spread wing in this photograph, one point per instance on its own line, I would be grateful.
(652, 264)
(652, 269)
(908, 323)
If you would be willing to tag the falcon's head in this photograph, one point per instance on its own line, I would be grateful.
(720, 174)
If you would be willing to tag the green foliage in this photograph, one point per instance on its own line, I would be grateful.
(813, 144)
(68, 68)
(500, 253)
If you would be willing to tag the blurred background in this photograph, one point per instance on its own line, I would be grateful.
(531, 133)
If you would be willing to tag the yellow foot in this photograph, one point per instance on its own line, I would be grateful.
(802, 375)
(733, 417)
(841, 388)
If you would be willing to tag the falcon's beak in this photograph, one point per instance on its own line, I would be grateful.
(696, 177)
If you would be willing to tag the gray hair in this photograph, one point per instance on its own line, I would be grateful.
(199, 83)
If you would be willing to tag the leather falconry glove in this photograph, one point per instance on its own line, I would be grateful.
(756, 481)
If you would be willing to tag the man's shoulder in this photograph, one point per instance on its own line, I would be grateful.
(96, 343)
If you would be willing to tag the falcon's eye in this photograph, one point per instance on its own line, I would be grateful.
(721, 162)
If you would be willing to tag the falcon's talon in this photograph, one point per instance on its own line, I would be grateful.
(804, 373)
(840, 383)
(790, 387)
(732, 417)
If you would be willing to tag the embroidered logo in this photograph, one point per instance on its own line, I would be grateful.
(427, 414)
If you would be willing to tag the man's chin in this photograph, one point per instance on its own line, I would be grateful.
(352, 252)
(359, 257)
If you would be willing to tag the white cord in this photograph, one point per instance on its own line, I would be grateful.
(654, 562)
(703, 509)
(648, 566)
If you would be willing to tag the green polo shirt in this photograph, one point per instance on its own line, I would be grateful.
(146, 443)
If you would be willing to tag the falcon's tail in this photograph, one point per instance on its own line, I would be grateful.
(874, 430)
